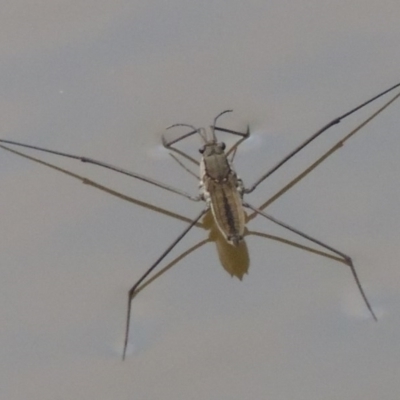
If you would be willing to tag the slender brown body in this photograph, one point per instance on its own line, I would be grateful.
(222, 190)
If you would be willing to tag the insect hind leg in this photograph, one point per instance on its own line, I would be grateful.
(347, 260)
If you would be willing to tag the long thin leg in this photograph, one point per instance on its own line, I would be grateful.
(183, 155)
(184, 166)
(321, 159)
(296, 244)
(214, 127)
(314, 136)
(346, 258)
(244, 135)
(131, 293)
(171, 264)
(194, 130)
(108, 166)
(232, 151)
(105, 189)
(169, 144)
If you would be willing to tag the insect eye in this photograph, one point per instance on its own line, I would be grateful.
(201, 151)
(222, 146)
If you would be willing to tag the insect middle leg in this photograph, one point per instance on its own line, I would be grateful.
(322, 158)
(335, 121)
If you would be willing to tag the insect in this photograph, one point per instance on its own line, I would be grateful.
(223, 191)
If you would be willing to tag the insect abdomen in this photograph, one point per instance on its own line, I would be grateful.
(226, 207)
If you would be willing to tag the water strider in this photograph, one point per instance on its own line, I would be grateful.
(223, 191)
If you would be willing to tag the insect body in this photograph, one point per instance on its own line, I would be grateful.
(223, 191)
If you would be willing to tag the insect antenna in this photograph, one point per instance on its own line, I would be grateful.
(215, 123)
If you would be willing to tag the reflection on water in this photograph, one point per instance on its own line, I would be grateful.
(234, 259)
